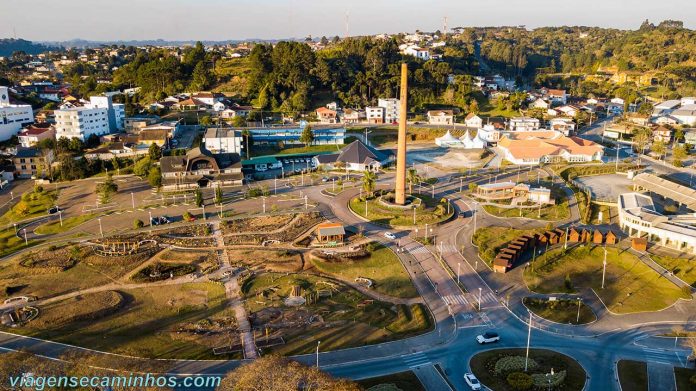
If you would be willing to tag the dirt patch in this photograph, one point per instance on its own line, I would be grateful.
(288, 234)
(255, 224)
(80, 308)
(52, 260)
(270, 260)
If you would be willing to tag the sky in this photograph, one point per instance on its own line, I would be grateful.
(101, 20)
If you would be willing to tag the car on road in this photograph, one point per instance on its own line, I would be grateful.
(390, 235)
(159, 220)
(472, 381)
(325, 179)
(487, 337)
(53, 210)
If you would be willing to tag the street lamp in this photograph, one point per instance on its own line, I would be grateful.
(26, 242)
(60, 216)
(529, 337)
(318, 343)
(604, 269)
(264, 205)
(459, 264)
(577, 321)
(132, 200)
(101, 232)
(480, 289)
(150, 213)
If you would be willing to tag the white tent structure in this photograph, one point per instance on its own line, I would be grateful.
(472, 142)
(448, 141)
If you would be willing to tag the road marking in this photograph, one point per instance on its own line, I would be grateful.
(455, 299)
(416, 360)
(418, 250)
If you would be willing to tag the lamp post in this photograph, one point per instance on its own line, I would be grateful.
(26, 242)
(604, 269)
(433, 195)
(305, 202)
(150, 213)
(318, 343)
(461, 180)
(577, 321)
(132, 200)
(264, 205)
(60, 216)
(459, 264)
(529, 337)
(101, 232)
(15, 225)
(275, 186)
(480, 289)
(414, 215)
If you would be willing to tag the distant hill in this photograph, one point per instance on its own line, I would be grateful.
(11, 45)
(83, 43)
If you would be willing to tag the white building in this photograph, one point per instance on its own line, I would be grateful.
(392, 109)
(638, 217)
(12, 117)
(440, 117)
(489, 134)
(222, 140)
(686, 114)
(563, 125)
(418, 52)
(473, 121)
(101, 116)
(374, 115)
(524, 124)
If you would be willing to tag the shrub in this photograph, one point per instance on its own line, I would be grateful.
(21, 208)
(187, 216)
(137, 223)
(38, 189)
(509, 364)
(520, 381)
(541, 380)
(692, 379)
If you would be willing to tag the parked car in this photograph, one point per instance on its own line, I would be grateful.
(53, 210)
(472, 381)
(390, 235)
(159, 220)
(487, 337)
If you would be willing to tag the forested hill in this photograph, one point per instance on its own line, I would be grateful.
(11, 45)
(667, 47)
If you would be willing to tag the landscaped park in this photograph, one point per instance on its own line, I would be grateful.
(159, 292)
(420, 209)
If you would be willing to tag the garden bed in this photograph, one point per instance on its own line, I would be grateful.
(561, 310)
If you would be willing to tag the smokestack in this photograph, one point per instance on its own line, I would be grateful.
(400, 188)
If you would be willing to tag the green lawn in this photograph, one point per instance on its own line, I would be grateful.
(352, 319)
(633, 375)
(55, 227)
(491, 239)
(684, 268)
(383, 267)
(683, 379)
(405, 381)
(261, 151)
(147, 325)
(560, 310)
(482, 364)
(432, 212)
(553, 212)
(37, 204)
(11, 243)
(630, 284)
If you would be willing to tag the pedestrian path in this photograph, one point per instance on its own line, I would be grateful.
(455, 299)
(416, 249)
(416, 360)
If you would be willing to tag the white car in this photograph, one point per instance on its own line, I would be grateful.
(390, 235)
(487, 337)
(472, 381)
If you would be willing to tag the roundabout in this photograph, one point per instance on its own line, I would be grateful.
(418, 210)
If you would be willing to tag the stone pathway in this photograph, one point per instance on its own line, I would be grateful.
(234, 296)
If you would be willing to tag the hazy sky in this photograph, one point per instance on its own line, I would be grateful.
(51, 20)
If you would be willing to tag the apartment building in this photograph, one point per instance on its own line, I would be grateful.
(12, 117)
(223, 140)
(391, 109)
(101, 116)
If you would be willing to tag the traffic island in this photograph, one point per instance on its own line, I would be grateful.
(633, 375)
(504, 370)
(419, 210)
(566, 311)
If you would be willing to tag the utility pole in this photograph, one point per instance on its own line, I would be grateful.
(604, 270)
(529, 337)
(480, 289)
(459, 264)
(578, 318)
(318, 343)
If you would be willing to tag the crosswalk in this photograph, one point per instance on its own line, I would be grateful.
(455, 299)
(416, 360)
(486, 298)
(417, 250)
(449, 249)
(657, 355)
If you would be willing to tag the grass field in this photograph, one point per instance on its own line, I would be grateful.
(37, 204)
(683, 379)
(405, 381)
(383, 267)
(546, 359)
(262, 150)
(11, 243)
(560, 311)
(146, 325)
(684, 268)
(44, 284)
(633, 375)
(433, 212)
(490, 239)
(630, 284)
(55, 227)
(351, 319)
(557, 211)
